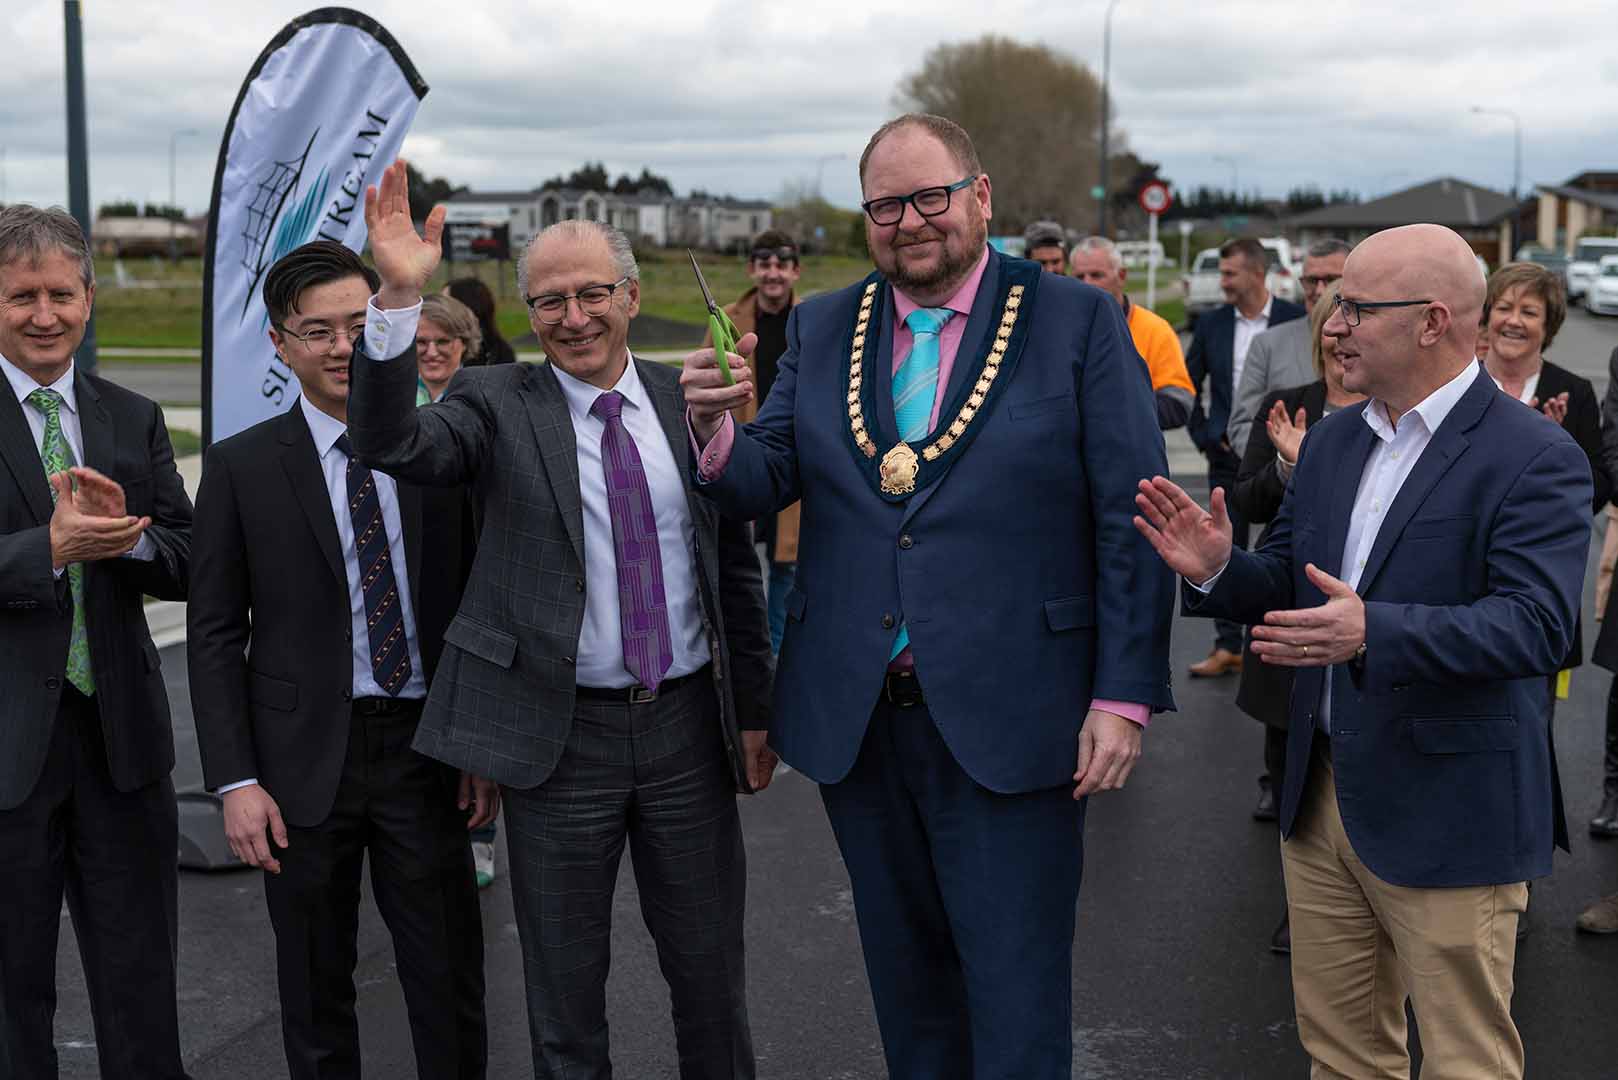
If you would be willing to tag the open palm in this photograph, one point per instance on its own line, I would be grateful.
(404, 259)
(1193, 542)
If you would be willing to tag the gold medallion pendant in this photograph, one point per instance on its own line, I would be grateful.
(899, 467)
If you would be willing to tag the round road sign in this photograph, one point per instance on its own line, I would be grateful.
(1155, 198)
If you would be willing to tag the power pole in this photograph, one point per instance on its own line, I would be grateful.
(78, 156)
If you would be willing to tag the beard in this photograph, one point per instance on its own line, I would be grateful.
(957, 258)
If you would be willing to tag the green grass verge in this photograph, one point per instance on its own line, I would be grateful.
(185, 442)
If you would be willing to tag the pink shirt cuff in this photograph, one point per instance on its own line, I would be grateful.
(712, 459)
(1129, 710)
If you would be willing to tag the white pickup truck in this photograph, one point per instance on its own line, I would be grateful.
(1586, 263)
(1202, 291)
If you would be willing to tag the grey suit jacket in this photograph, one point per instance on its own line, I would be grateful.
(501, 702)
(1278, 359)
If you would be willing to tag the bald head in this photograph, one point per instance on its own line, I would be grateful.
(1428, 262)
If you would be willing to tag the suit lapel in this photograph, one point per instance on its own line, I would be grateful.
(881, 368)
(1447, 445)
(301, 461)
(22, 456)
(670, 405)
(1224, 350)
(558, 448)
(95, 426)
(977, 326)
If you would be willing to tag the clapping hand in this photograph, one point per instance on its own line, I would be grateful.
(1196, 544)
(91, 524)
(404, 259)
(1286, 432)
(1555, 408)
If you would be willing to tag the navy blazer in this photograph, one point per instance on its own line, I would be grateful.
(1212, 357)
(1026, 589)
(1471, 593)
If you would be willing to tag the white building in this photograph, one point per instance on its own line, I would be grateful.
(648, 218)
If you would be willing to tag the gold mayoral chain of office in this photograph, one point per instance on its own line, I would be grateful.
(901, 464)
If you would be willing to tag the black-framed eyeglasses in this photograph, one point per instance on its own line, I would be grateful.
(593, 300)
(322, 339)
(1352, 309)
(764, 255)
(1315, 280)
(442, 344)
(928, 201)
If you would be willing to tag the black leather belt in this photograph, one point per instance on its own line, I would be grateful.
(384, 706)
(903, 689)
(640, 695)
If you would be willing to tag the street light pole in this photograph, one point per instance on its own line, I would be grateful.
(174, 138)
(1106, 107)
(1516, 156)
(78, 155)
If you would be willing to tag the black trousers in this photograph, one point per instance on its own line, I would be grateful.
(656, 775)
(398, 807)
(115, 856)
(1223, 466)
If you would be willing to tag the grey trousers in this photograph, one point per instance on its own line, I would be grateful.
(656, 775)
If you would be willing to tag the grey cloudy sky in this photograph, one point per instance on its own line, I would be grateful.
(744, 97)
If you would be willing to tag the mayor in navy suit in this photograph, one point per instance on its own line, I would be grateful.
(1216, 358)
(1423, 578)
(977, 635)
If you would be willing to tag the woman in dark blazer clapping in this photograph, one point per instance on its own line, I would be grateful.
(1261, 482)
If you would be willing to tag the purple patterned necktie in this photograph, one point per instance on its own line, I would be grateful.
(643, 611)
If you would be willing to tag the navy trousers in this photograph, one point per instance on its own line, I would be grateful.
(966, 901)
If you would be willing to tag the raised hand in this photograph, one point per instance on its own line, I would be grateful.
(1314, 637)
(1555, 408)
(1286, 432)
(1195, 544)
(404, 259)
(705, 391)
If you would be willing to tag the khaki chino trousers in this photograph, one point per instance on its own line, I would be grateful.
(1360, 946)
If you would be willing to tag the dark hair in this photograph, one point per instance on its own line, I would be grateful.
(479, 298)
(319, 262)
(948, 132)
(1249, 249)
(1329, 245)
(1538, 281)
(772, 239)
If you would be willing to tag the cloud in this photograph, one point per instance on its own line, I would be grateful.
(744, 97)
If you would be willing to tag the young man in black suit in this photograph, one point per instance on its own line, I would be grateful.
(311, 643)
(93, 517)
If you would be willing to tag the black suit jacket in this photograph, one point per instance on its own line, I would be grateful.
(502, 705)
(125, 438)
(269, 638)
(1212, 359)
(1584, 424)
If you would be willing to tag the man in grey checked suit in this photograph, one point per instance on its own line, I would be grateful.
(1283, 356)
(610, 663)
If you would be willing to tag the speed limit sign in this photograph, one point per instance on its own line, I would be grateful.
(1155, 198)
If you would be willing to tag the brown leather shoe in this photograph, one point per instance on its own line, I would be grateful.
(1219, 662)
(1600, 917)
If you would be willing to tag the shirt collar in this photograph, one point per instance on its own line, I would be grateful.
(23, 384)
(1263, 313)
(960, 303)
(582, 395)
(1431, 410)
(325, 429)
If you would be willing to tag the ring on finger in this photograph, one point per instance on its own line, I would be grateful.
(1306, 651)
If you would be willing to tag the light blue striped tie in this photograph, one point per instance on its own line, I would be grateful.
(915, 385)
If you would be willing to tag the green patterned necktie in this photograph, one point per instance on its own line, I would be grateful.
(57, 455)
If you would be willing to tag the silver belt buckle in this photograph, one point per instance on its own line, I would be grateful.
(640, 695)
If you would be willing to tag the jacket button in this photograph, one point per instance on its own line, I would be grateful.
(569, 660)
(905, 542)
(52, 682)
(348, 695)
(887, 622)
(578, 585)
(348, 633)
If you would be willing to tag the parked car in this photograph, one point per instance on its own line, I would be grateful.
(1280, 279)
(1586, 263)
(1601, 297)
(1554, 261)
(1202, 291)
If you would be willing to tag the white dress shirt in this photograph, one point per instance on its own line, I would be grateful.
(601, 646)
(1393, 456)
(1529, 388)
(1246, 330)
(23, 384)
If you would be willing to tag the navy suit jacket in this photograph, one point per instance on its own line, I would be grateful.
(1026, 589)
(1212, 358)
(1471, 594)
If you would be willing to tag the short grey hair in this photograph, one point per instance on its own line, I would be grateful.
(456, 319)
(1328, 246)
(1101, 244)
(618, 246)
(28, 233)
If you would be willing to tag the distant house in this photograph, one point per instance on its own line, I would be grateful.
(129, 237)
(647, 217)
(1481, 215)
(1587, 203)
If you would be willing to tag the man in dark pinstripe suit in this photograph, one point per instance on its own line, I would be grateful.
(610, 662)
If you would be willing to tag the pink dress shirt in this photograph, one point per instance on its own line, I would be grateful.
(716, 455)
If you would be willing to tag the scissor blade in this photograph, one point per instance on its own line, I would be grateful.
(702, 283)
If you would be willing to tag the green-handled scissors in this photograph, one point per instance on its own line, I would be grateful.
(719, 325)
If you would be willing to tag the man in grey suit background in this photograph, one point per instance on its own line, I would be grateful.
(1283, 356)
(610, 663)
(93, 518)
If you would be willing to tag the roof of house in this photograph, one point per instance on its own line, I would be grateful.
(1604, 199)
(1444, 201)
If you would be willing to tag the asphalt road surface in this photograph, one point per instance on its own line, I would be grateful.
(1172, 980)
